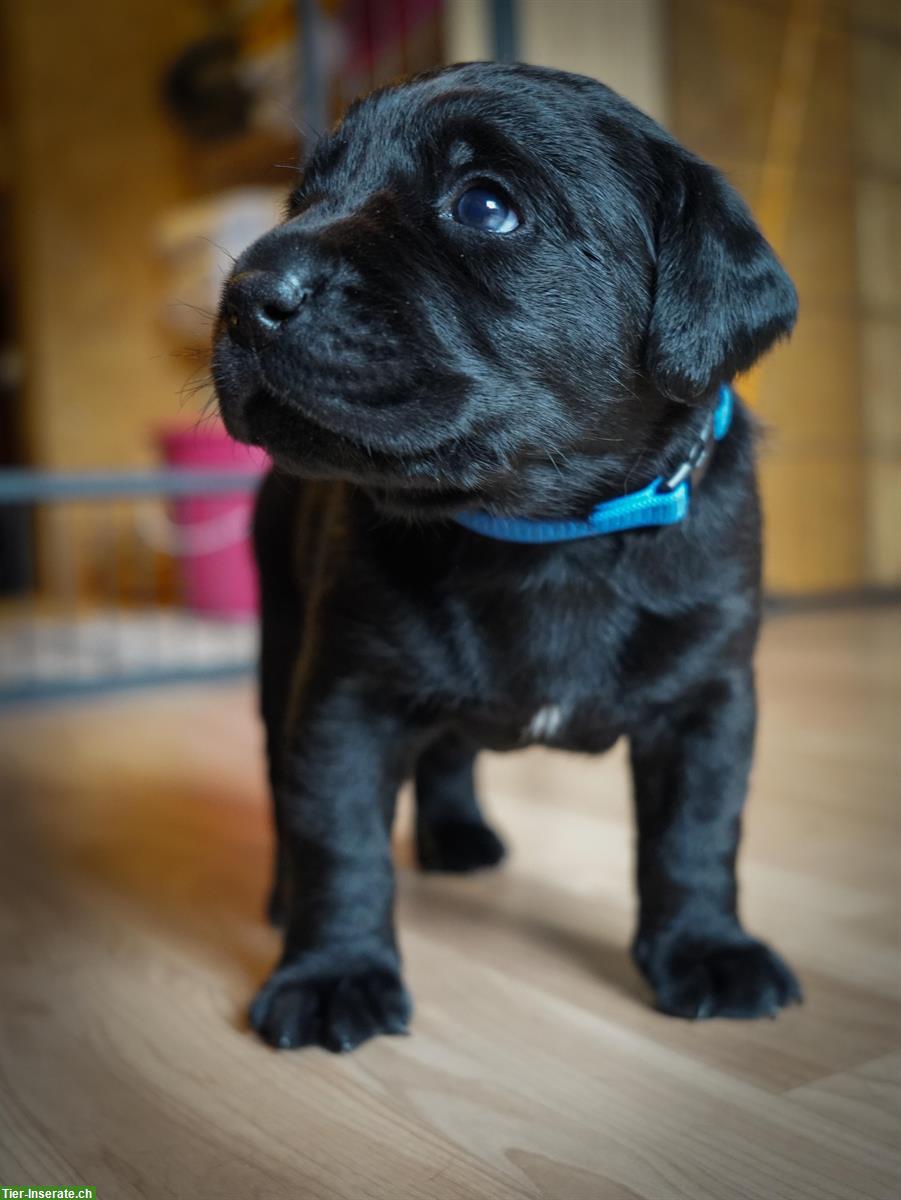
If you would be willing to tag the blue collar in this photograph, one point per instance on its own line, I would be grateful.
(662, 502)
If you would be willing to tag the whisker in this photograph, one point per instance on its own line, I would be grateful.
(216, 246)
(206, 313)
(295, 121)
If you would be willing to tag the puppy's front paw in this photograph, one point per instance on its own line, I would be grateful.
(338, 1013)
(740, 979)
(457, 846)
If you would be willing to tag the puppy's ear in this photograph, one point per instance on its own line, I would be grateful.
(721, 296)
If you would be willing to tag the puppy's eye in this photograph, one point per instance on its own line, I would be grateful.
(482, 208)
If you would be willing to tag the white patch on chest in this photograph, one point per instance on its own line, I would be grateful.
(547, 721)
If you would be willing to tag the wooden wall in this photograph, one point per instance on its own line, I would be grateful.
(97, 162)
(875, 28)
(619, 43)
(793, 99)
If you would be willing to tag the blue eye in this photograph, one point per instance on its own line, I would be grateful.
(481, 208)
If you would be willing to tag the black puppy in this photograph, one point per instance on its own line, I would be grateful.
(502, 300)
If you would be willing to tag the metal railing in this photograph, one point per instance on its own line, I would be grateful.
(96, 579)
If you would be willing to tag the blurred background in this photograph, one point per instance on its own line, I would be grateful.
(144, 142)
(141, 143)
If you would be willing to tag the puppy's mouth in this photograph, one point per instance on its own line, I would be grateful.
(405, 472)
(376, 408)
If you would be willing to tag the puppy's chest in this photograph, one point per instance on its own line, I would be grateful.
(551, 716)
(549, 678)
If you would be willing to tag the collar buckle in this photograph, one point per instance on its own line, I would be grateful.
(694, 466)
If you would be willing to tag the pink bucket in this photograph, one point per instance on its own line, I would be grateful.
(212, 533)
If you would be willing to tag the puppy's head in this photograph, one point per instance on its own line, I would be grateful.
(495, 286)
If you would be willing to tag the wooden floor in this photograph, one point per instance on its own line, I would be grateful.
(134, 848)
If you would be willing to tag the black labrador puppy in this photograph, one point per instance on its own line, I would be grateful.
(489, 352)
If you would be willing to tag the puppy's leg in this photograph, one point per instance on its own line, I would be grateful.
(690, 780)
(338, 981)
(451, 833)
(280, 636)
(281, 621)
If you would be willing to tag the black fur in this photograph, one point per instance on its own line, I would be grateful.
(401, 367)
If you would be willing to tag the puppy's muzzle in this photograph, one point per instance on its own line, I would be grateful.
(308, 335)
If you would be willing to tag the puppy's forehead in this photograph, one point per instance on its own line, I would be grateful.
(402, 128)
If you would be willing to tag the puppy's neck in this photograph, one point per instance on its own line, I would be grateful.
(553, 488)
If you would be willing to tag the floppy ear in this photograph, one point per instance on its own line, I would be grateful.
(721, 296)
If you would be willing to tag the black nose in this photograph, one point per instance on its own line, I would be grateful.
(259, 303)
